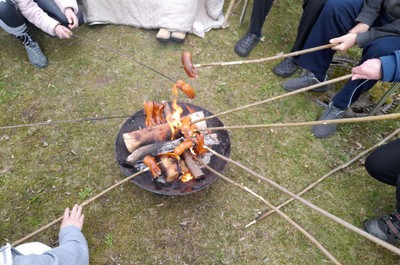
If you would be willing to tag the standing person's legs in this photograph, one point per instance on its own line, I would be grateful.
(12, 21)
(383, 164)
(311, 11)
(260, 11)
(50, 7)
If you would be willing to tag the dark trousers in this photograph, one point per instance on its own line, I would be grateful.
(311, 10)
(336, 19)
(13, 22)
(383, 164)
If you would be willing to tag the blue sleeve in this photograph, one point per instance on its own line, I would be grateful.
(73, 249)
(391, 67)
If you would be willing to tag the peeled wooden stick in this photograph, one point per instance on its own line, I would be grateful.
(278, 97)
(82, 204)
(312, 206)
(312, 185)
(308, 123)
(188, 63)
(287, 218)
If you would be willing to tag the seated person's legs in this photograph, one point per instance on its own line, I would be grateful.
(355, 88)
(12, 21)
(383, 164)
(336, 19)
(50, 7)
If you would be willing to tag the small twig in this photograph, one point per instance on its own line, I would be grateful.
(313, 206)
(287, 218)
(312, 185)
(82, 204)
(279, 97)
(308, 123)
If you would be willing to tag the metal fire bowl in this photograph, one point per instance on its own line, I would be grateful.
(145, 180)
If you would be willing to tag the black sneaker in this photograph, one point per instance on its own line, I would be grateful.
(306, 79)
(386, 227)
(326, 130)
(285, 68)
(35, 55)
(246, 44)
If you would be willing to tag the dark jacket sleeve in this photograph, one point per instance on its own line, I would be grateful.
(73, 249)
(391, 67)
(369, 13)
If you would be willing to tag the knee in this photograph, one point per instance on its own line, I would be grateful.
(6, 8)
(373, 166)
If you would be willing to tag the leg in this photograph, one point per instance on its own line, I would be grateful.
(353, 89)
(336, 19)
(260, 11)
(12, 21)
(311, 11)
(383, 164)
(50, 7)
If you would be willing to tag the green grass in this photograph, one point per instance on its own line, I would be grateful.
(44, 169)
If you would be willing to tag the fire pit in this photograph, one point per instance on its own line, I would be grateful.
(177, 187)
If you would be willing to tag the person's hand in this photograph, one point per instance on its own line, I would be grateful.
(344, 42)
(63, 32)
(73, 217)
(370, 69)
(71, 17)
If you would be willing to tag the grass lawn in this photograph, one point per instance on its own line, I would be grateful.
(44, 169)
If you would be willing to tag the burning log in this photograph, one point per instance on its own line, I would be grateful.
(159, 133)
(169, 167)
(192, 165)
(152, 150)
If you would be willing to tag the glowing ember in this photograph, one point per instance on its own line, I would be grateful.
(186, 177)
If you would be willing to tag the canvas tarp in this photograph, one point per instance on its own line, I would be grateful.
(195, 16)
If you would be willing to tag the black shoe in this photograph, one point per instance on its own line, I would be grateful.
(306, 79)
(285, 68)
(326, 130)
(246, 44)
(386, 227)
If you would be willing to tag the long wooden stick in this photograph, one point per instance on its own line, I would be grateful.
(308, 123)
(279, 56)
(312, 206)
(83, 204)
(312, 185)
(287, 218)
(228, 13)
(325, 83)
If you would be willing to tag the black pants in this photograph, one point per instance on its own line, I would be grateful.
(311, 10)
(13, 22)
(383, 164)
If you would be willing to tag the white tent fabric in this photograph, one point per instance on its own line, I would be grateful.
(194, 16)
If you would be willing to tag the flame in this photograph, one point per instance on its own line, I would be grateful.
(187, 177)
(174, 120)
